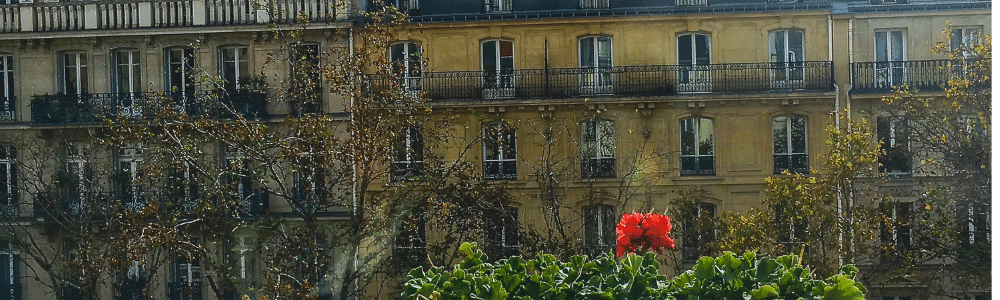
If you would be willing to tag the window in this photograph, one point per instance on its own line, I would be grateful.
(974, 232)
(963, 39)
(594, 4)
(248, 201)
(595, 64)
(497, 5)
(132, 282)
(234, 68)
(129, 163)
(240, 255)
(694, 59)
(180, 77)
(310, 185)
(126, 76)
(408, 155)
(697, 146)
(890, 54)
(599, 221)
(597, 157)
(7, 101)
(74, 180)
(10, 272)
(892, 132)
(789, 136)
(185, 280)
(498, 69)
(306, 83)
(499, 151)
(406, 62)
(411, 244)
(786, 59)
(502, 232)
(791, 229)
(183, 188)
(410, 7)
(8, 183)
(74, 73)
(699, 230)
(896, 231)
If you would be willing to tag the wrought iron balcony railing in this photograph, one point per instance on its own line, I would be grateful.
(99, 107)
(184, 290)
(129, 14)
(253, 203)
(657, 80)
(883, 76)
(8, 109)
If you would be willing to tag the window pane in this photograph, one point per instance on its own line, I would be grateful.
(881, 46)
(702, 49)
(798, 134)
(795, 45)
(778, 46)
(779, 131)
(897, 45)
(604, 52)
(607, 139)
(687, 137)
(705, 135)
(587, 52)
(684, 56)
(490, 56)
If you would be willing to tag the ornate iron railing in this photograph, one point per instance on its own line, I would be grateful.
(8, 109)
(101, 107)
(883, 76)
(656, 80)
(184, 290)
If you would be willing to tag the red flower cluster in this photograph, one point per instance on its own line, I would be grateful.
(639, 232)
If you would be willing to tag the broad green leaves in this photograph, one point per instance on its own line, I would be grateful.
(633, 277)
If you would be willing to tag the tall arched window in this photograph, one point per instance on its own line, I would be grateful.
(406, 62)
(596, 63)
(597, 154)
(697, 146)
(694, 57)
(499, 151)
(599, 222)
(498, 69)
(789, 137)
(787, 55)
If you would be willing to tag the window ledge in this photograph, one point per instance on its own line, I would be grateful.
(706, 178)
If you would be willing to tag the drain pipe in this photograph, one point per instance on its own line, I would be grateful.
(354, 165)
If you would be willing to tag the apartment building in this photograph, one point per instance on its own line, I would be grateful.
(603, 106)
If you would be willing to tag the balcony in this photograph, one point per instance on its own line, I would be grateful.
(99, 107)
(253, 203)
(660, 80)
(184, 290)
(881, 77)
(8, 109)
(70, 205)
(132, 14)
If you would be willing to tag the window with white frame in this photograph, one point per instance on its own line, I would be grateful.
(599, 221)
(502, 232)
(789, 137)
(7, 102)
(791, 229)
(10, 271)
(890, 57)
(698, 231)
(73, 78)
(411, 243)
(896, 231)
(407, 62)
(499, 151)
(180, 80)
(126, 73)
(786, 58)
(129, 163)
(407, 154)
(498, 69)
(183, 188)
(892, 133)
(310, 185)
(185, 280)
(74, 180)
(497, 5)
(963, 39)
(975, 229)
(306, 85)
(8, 182)
(234, 67)
(697, 146)
(242, 259)
(596, 63)
(694, 63)
(132, 282)
(597, 153)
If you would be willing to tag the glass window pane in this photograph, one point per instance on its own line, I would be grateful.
(702, 49)
(795, 45)
(881, 46)
(897, 45)
(684, 56)
(779, 131)
(705, 134)
(778, 46)
(607, 139)
(587, 52)
(604, 52)
(490, 56)
(687, 137)
(798, 128)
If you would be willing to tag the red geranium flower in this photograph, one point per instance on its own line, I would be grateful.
(639, 232)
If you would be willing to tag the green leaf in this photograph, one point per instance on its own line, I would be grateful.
(705, 268)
